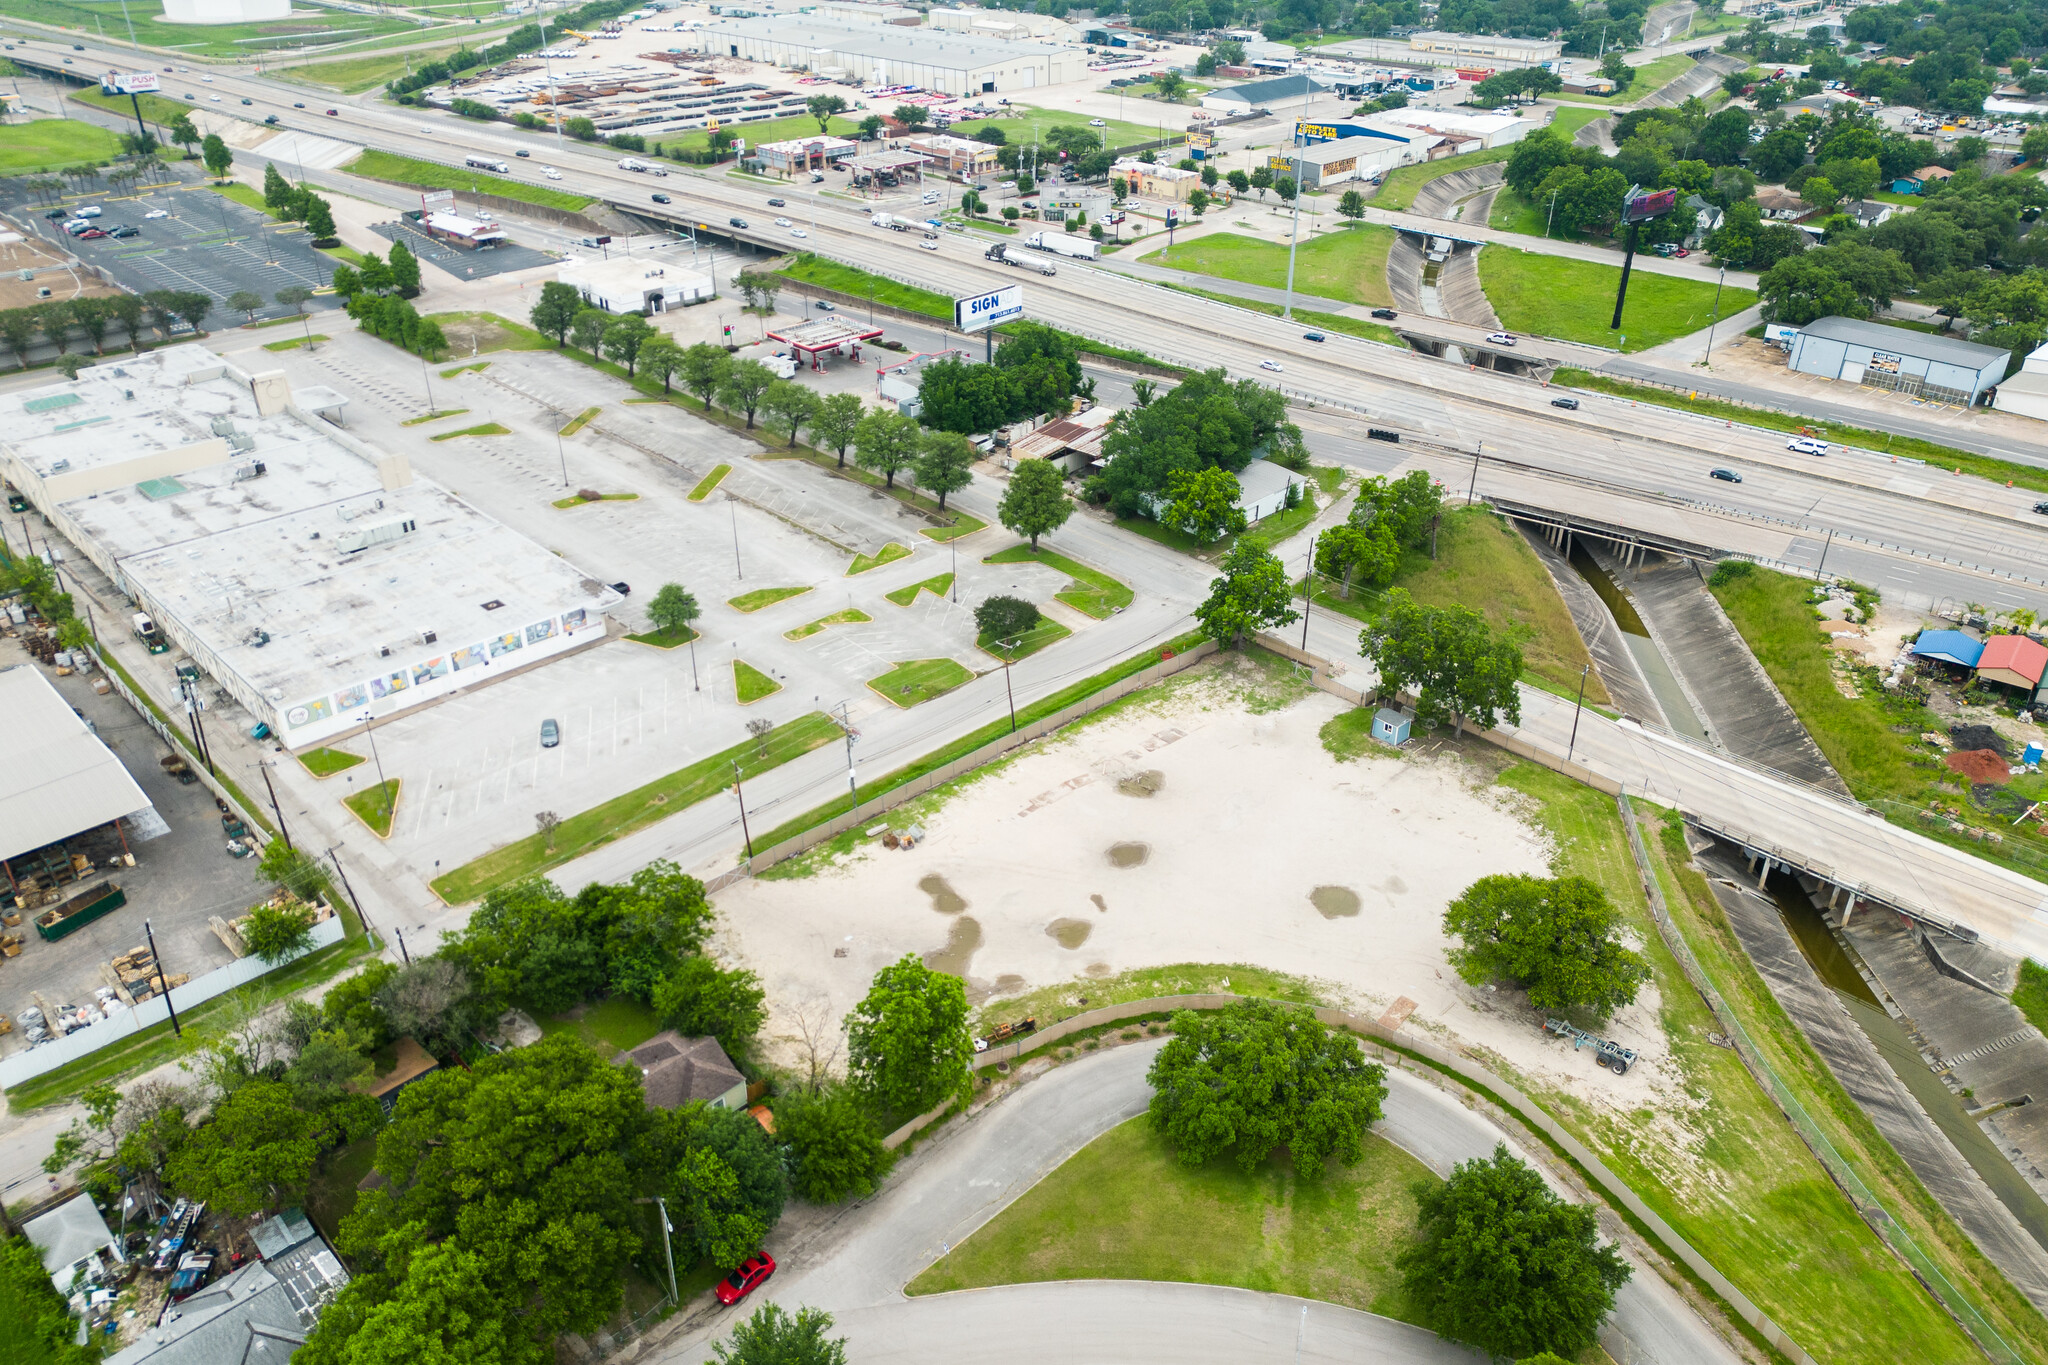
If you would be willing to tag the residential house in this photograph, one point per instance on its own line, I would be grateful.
(1869, 212)
(1262, 490)
(2013, 661)
(675, 1071)
(1707, 218)
(74, 1240)
(1074, 444)
(1776, 203)
(262, 1312)
(413, 1062)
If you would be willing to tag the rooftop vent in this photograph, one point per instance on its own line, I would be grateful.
(223, 426)
(493, 604)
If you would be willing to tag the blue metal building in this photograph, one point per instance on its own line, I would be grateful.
(1946, 369)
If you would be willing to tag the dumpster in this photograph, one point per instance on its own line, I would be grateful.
(80, 910)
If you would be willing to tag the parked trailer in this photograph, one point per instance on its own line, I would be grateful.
(80, 910)
(1004, 1033)
(1066, 244)
(1607, 1054)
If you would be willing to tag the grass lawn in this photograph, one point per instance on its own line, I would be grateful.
(294, 343)
(811, 269)
(664, 639)
(602, 497)
(1513, 213)
(1123, 1208)
(1568, 121)
(405, 170)
(635, 810)
(709, 482)
(850, 617)
(1092, 591)
(1036, 122)
(751, 683)
(1734, 1179)
(937, 587)
(1046, 632)
(332, 1195)
(1574, 300)
(888, 554)
(53, 144)
(480, 366)
(353, 75)
(616, 1024)
(376, 806)
(438, 416)
(481, 429)
(1948, 457)
(580, 421)
(1403, 183)
(2030, 993)
(1650, 78)
(157, 1044)
(1348, 264)
(1307, 317)
(916, 681)
(328, 762)
(963, 525)
(770, 130)
(489, 332)
(159, 110)
(209, 40)
(240, 193)
(764, 597)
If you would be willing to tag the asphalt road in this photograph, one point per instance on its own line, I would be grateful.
(856, 1268)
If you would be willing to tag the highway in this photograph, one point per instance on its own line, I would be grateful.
(855, 1266)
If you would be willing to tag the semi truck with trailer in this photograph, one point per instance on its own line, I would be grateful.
(1066, 244)
(1000, 252)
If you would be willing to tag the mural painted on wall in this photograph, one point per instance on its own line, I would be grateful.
(427, 671)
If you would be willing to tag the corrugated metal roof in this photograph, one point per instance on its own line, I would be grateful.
(1951, 645)
(1904, 341)
(2014, 654)
(56, 777)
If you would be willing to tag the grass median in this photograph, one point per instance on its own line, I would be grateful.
(1340, 323)
(1571, 300)
(328, 762)
(405, 170)
(635, 810)
(1883, 442)
(1092, 591)
(937, 587)
(1349, 263)
(913, 682)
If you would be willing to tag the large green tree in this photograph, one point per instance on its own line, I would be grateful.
(944, 463)
(1252, 594)
(834, 1151)
(38, 1319)
(623, 338)
(788, 404)
(907, 1044)
(745, 384)
(255, 1153)
(1036, 502)
(775, 1337)
(699, 999)
(555, 310)
(885, 443)
(833, 423)
(1258, 1075)
(1459, 668)
(1204, 504)
(1558, 938)
(1207, 420)
(704, 369)
(672, 609)
(726, 1184)
(1507, 1266)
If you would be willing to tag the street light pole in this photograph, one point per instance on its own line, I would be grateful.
(349, 887)
(370, 732)
(1009, 650)
(741, 793)
(732, 507)
(1707, 356)
(1583, 671)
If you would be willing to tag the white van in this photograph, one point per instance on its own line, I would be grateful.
(87, 211)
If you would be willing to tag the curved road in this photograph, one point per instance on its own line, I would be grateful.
(856, 1267)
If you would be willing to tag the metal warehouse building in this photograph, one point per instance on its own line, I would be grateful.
(1855, 352)
(891, 55)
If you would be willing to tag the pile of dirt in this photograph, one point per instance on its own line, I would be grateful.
(1979, 737)
(1978, 765)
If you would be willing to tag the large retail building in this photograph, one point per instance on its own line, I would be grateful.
(884, 54)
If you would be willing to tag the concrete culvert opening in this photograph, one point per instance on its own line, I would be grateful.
(1147, 783)
(1129, 854)
(1334, 902)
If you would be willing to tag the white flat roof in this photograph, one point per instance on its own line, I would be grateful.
(890, 42)
(56, 777)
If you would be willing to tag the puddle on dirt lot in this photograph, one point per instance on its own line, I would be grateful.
(1071, 933)
(1096, 969)
(1129, 855)
(1394, 886)
(960, 948)
(1334, 902)
(1100, 903)
(1009, 984)
(945, 899)
(1146, 783)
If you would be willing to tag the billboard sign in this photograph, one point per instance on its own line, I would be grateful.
(438, 201)
(129, 83)
(979, 312)
(1641, 208)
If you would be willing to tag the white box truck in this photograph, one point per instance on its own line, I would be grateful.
(627, 163)
(1065, 244)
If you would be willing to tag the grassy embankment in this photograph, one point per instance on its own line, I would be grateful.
(1349, 263)
(405, 170)
(1650, 77)
(1403, 183)
(1574, 300)
(102, 22)
(51, 144)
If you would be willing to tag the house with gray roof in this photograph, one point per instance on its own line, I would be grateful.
(257, 1315)
(675, 1071)
(73, 1238)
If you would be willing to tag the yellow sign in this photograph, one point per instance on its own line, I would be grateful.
(1322, 130)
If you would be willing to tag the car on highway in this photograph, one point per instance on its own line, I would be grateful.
(207, 79)
(270, 118)
(190, 96)
(2041, 509)
(1500, 338)
(751, 1275)
(798, 232)
(1724, 475)
(298, 106)
(248, 101)
(551, 173)
(1568, 404)
(1312, 336)
(1272, 365)
(157, 213)
(659, 198)
(777, 204)
(783, 222)
(425, 129)
(1806, 445)
(1385, 314)
(550, 734)
(522, 152)
(333, 113)
(214, 98)
(929, 245)
(737, 222)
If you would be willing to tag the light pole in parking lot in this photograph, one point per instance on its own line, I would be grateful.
(370, 731)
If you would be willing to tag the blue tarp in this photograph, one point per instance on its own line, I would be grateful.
(1950, 646)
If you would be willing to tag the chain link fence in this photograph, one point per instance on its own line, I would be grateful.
(1867, 1203)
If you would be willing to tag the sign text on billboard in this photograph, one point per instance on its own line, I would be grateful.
(129, 82)
(978, 312)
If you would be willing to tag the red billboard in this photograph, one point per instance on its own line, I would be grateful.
(1654, 204)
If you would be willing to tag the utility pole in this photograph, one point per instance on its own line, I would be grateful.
(732, 507)
(1471, 492)
(161, 983)
(347, 886)
(668, 1254)
(1569, 748)
(741, 793)
(1009, 650)
(282, 832)
(1308, 589)
(852, 738)
(401, 946)
(1707, 356)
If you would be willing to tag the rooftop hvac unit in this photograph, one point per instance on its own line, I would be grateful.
(223, 426)
(255, 469)
(349, 512)
(375, 535)
(242, 441)
(428, 637)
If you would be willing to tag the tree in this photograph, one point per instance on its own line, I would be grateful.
(835, 1152)
(871, 127)
(907, 1044)
(246, 301)
(294, 297)
(1171, 84)
(347, 283)
(774, 1337)
(833, 422)
(1260, 1074)
(788, 404)
(1284, 186)
(1036, 502)
(942, 463)
(744, 386)
(672, 609)
(1204, 504)
(429, 340)
(216, 155)
(1198, 202)
(1003, 617)
(659, 358)
(1506, 1265)
(256, 1151)
(183, 133)
(1351, 204)
(1207, 419)
(278, 933)
(1351, 552)
(277, 191)
(554, 310)
(885, 443)
(822, 108)
(1253, 593)
(623, 338)
(704, 370)
(1449, 658)
(727, 1184)
(911, 116)
(1559, 939)
(1261, 180)
(699, 1000)
(1239, 182)
(587, 328)
(405, 270)
(40, 1322)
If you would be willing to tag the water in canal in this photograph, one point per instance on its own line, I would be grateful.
(1655, 668)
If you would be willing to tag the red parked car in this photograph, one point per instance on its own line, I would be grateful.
(749, 1277)
(92, 233)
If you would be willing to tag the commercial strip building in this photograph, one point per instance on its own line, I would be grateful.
(1450, 49)
(889, 55)
(1157, 181)
(636, 284)
(1323, 164)
(804, 154)
(1917, 363)
(2025, 391)
(958, 157)
(314, 579)
(1291, 94)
